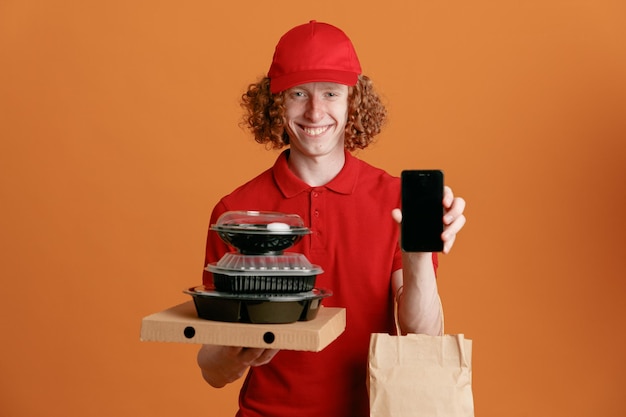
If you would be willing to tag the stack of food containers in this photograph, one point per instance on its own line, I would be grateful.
(259, 282)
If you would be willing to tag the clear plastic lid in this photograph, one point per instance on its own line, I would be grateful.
(287, 263)
(260, 222)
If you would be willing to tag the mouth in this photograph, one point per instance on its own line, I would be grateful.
(314, 131)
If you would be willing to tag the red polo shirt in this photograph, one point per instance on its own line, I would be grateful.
(355, 241)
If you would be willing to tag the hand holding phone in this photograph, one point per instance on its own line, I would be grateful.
(422, 210)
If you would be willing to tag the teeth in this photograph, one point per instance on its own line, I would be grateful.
(315, 130)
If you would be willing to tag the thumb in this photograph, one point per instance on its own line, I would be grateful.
(397, 215)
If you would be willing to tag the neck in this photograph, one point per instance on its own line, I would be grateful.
(316, 171)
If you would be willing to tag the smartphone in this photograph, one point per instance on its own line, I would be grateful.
(422, 210)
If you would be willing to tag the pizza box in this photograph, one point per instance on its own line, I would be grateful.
(181, 324)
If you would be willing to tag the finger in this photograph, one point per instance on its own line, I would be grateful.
(397, 215)
(454, 227)
(448, 196)
(265, 357)
(447, 245)
(229, 351)
(450, 233)
(248, 356)
(455, 210)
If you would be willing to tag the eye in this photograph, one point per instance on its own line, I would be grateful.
(333, 94)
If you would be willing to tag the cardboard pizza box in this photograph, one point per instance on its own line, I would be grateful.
(181, 324)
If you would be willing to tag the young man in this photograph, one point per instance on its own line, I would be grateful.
(316, 101)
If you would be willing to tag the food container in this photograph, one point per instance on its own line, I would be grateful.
(260, 232)
(286, 273)
(257, 308)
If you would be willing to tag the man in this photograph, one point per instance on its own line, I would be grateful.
(316, 101)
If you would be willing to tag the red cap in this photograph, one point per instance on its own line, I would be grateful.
(313, 52)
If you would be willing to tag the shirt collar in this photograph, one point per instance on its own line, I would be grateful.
(290, 185)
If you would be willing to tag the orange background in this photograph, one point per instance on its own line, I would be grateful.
(119, 132)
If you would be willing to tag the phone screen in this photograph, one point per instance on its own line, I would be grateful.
(422, 210)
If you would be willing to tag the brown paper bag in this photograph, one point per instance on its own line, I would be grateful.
(420, 376)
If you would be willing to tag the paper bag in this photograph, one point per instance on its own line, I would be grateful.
(420, 376)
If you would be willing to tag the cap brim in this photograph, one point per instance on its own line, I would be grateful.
(284, 82)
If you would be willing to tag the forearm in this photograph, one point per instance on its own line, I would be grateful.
(419, 305)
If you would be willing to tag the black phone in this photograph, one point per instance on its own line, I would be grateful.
(422, 210)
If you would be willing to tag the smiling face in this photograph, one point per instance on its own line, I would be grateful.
(316, 116)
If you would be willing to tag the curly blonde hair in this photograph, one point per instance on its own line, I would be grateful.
(264, 114)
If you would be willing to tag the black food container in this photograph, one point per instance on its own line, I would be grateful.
(257, 308)
(286, 273)
(269, 284)
(260, 232)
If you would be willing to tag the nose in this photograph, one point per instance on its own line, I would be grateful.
(314, 109)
